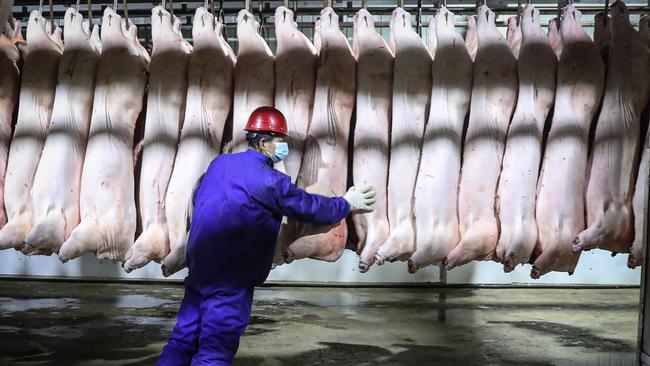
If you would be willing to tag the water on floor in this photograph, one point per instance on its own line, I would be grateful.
(63, 323)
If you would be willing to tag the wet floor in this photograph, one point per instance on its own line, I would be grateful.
(62, 323)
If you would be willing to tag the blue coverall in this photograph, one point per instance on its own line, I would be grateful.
(238, 208)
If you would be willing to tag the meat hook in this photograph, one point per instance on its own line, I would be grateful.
(418, 18)
(77, 5)
(126, 14)
(364, 4)
(52, 26)
(518, 12)
(171, 7)
(90, 12)
(606, 11)
(40, 7)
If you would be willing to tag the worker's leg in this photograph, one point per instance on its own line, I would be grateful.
(224, 317)
(183, 344)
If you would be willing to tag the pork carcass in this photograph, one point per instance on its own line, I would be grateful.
(209, 97)
(471, 38)
(602, 34)
(560, 188)
(612, 170)
(436, 191)
(640, 199)
(325, 161)
(411, 93)
(165, 109)
(41, 56)
(494, 93)
(513, 36)
(107, 202)
(371, 132)
(295, 75)
(55, 193)
(9, 85)
(254, 78)
(554, 37)
(517, 188)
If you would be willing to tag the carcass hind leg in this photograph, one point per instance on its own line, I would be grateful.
(175, 260)
(554, 258)
(375, 237)
(287, 235)
(318, 242)
(478, 243)
(516, 245)
(47, 235)
(81, 240)
(13, 233)
(611, 231)
(152, 244)
(636, 257)
(399, 246)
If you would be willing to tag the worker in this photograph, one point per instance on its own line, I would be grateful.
(237, 210)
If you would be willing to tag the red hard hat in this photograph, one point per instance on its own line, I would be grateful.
(267, 119)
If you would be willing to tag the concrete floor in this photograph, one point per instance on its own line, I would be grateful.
(58, 323)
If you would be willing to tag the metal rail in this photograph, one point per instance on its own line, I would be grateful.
(186, 9)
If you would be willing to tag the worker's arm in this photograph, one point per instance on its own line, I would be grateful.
(297, 204)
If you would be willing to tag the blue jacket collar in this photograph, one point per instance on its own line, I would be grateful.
(261, 157)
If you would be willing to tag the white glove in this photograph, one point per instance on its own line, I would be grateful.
(361, 199)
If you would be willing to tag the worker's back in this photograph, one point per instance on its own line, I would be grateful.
(233, 233)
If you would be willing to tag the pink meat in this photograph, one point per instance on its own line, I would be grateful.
(165, 109)
(436, 191)
(56, 206)
(371, 133)
(612, 164)
(41, 57)
(107, 199)
(411, 93)
(325, 162)
(494, 93)
(560, 189)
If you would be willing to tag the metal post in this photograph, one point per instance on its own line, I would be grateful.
(643, 338)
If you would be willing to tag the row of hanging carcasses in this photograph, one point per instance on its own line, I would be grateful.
(524, 193)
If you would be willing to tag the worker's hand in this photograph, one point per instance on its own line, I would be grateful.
(361, 199)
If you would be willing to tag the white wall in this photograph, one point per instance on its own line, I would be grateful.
(595, 267)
